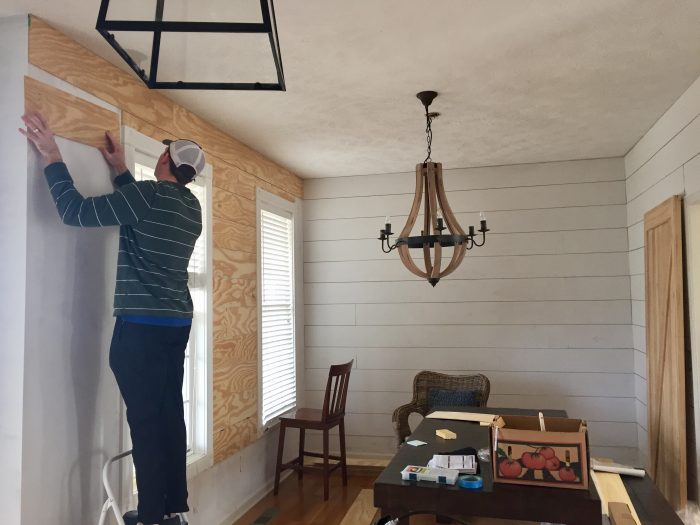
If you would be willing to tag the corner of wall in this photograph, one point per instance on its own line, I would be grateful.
(13, 150)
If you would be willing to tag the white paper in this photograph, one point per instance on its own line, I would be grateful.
(416, 443)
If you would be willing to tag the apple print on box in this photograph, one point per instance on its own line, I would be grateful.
(523, 461)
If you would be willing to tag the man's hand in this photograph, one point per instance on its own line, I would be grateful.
(41, 136)
(113, 152)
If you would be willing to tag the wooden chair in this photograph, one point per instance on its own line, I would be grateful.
(424, 383)
(332, 414)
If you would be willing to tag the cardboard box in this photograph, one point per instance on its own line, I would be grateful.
(524, 455)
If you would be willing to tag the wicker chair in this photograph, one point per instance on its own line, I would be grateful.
(426, 381)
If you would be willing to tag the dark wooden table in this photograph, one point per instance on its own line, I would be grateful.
(396, 497)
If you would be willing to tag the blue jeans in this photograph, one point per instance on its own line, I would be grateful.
(148, 364)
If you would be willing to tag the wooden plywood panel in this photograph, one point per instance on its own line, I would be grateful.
(234, 236)
(234, 208)
(232, 320)
(64, 58)
(665, 350)
(61, 56)
(226, 175)
(230, 439)
(236, 264)
(232, 291)
(68, 116)
(148, 129)
(233, 179)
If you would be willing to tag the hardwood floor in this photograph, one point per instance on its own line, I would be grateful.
(301, 503)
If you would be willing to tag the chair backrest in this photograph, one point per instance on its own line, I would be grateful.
(336, 391)
(426, 381)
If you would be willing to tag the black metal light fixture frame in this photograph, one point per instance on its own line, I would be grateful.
(158, 26)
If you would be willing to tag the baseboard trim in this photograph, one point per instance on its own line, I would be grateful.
(253, 500)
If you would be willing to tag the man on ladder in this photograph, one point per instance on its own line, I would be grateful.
(159, 223)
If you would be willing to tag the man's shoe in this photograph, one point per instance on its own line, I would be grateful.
(131, 518)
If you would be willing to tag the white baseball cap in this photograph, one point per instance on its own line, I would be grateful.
(185, 152)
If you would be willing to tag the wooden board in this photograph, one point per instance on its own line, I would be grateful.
(226, 175)
(61, 56)
(362, 511)
(663, 255)
(611, 489)
(68, 116)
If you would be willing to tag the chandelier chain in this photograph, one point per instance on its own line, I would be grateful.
(429, 133)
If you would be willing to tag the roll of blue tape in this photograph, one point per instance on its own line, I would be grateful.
(471, 482)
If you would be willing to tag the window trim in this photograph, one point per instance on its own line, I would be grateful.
(136, 146)
(273, 203)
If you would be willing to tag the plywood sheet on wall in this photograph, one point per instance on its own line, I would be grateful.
(663, 255)
(61, 56)
(68, 116)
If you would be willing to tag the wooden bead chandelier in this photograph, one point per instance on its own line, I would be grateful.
(433, 238)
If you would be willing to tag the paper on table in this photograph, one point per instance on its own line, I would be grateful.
(462, 416)
(616, 468)
(416, 443)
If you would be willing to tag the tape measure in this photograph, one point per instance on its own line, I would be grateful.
(471, 482)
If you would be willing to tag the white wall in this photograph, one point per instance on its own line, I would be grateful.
(222, 494)
(663, 163)
(13, 242)
(543, 309)
(71, 401)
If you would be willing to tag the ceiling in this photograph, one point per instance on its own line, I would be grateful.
(518, 83)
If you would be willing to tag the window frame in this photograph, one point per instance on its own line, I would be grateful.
(272, 203)
(139, 148)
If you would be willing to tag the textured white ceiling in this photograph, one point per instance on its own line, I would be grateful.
(520, 80)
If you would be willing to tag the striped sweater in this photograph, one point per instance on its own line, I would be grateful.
(159, 225)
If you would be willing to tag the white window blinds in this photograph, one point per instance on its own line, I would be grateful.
(277, 309)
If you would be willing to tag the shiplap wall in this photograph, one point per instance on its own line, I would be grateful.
(543, 309)
(663, 163)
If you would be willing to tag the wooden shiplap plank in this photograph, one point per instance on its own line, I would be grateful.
(476, 267)
(417, 291)
(510, 382)
(64, 58)
(482, 336)
(603, 360)
(619, 409)
(508, 221)
(589, 194)
(68, 116)
(678, 116)
(488, 313)
(671, 156)
(671, 184)
(574, 242)
(567, 172)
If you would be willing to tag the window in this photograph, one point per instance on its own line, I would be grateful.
(276, 307)
(142, 154)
